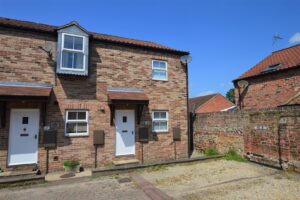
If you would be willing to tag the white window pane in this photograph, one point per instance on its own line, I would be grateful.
(72, 115)
(162, 65)
(71, 128)
(68, 42)
(156, 115)
(78, 43)
(159, 74)
(67, 58)
(78, 60)
(163, 115)
(81, 127)
(156, 126)
(155, 63)
(81, 115)
(163, 125)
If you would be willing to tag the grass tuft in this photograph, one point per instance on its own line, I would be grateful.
(211, 152)
(233, 155)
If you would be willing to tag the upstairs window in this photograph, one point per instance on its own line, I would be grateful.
(160, 121)
(72, 57)
(159, 70)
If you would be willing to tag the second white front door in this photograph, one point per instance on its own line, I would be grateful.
(23, 136)
(125, 132)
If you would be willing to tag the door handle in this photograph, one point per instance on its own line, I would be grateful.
(132, 132)
(35, 136)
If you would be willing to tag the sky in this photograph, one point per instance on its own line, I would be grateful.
(225, 37)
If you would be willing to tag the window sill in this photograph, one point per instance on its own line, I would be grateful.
(164, 131)
(77, 135)
(159, 79)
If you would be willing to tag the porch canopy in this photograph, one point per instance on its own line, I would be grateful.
(127, 96)
(24, 91)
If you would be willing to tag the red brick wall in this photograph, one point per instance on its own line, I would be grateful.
(217, 103)
(253, 133)
(22, 60)
(270, 90)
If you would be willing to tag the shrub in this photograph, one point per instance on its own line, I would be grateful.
(211, 152)
(71, 163)
(233, 155)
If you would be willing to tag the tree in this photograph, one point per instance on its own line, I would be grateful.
(230, 95)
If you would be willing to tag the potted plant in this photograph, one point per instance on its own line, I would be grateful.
(71, 166)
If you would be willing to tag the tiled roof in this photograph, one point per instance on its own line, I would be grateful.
(288, 58)
(131, 96)
(25, 91)
(196, 102)
(98, 36)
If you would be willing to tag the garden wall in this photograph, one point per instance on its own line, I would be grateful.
(268, 136)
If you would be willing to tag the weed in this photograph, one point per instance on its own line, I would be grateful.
(211, 152)
(233, 155)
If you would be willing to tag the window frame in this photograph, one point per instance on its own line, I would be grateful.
(62, 49)
(76, 121)
(154, 68)
(160, 120)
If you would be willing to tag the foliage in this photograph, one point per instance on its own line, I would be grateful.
(233, 155)
(71, 163)
(230, 95)
(211, 152)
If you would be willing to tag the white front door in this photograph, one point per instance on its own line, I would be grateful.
(125, 136)
(23, 136)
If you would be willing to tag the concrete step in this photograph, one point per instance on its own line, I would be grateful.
(126, 162)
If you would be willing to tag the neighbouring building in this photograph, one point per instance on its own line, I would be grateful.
(273, 82)
(210, 103)
(75, 83)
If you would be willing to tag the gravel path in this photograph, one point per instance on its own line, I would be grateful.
(222, 179)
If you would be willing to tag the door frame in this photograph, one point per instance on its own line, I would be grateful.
(10, 137)
(132, 110)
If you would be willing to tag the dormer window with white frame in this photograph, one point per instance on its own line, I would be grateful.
(72, 50)
(72, 56)
(159, 70)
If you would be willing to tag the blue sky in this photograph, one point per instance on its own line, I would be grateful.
(225, 37)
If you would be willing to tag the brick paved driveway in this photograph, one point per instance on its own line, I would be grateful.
(80, 189)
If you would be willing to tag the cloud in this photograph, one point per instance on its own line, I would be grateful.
(295, 38)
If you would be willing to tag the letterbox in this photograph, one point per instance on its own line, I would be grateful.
(99, 136)
(50, 138)
(176, 134)
(143, 134)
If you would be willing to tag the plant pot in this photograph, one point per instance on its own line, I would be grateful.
(72, 169)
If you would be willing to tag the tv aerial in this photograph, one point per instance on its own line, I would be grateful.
(276, 38)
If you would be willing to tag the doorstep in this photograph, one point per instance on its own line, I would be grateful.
(56, 176)
(14, 179)
(126, 162)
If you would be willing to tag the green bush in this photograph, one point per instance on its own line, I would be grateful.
(233, 155)
(211, 152)
(71, 164)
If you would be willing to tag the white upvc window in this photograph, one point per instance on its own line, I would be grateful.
(160, 121)
(77, 123)
(159, 70)
(72, 52)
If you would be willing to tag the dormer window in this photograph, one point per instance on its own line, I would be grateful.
(72, 50)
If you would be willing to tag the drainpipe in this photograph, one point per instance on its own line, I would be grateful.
(188, 112)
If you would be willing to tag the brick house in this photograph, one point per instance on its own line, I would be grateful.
(273, 82)
(210, 103)
(73, 82)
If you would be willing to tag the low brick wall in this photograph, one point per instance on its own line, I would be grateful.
(253, 133)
